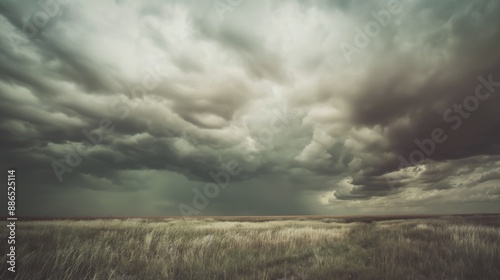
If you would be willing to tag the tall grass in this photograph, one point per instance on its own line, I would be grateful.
(293, 249)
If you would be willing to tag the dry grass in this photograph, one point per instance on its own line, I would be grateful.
(437, 248)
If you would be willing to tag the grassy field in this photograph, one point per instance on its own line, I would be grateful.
(451, 247)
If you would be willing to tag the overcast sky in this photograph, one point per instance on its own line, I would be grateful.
(242, 107)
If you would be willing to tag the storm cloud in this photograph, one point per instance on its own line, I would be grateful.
(326, 107)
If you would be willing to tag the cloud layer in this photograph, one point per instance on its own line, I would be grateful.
(327, 107)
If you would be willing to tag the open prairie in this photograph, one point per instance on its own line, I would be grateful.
(397, 247)
(236, 139)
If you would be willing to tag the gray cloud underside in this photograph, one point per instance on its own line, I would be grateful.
(266, 86)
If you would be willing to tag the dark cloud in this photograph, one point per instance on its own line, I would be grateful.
(144, 101)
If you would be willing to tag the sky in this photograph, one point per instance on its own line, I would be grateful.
(238, 107)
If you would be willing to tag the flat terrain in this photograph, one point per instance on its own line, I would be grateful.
(397, 247)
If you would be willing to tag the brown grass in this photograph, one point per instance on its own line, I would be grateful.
(450, 247)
